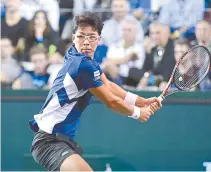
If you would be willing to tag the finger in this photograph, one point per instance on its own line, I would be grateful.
(153, 107)
(143, 120)
(151, 112)
(156, 106)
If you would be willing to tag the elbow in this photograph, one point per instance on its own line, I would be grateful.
(113, 103)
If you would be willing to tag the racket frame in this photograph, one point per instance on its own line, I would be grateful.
(165, 92)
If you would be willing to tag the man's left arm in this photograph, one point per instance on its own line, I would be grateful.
(127, 96)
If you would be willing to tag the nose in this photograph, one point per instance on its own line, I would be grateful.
(86, 41)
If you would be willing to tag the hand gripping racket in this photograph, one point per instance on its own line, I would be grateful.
(189, 71)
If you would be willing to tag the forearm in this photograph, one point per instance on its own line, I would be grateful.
(121, 93)
(117, 90)
(118, 105)
(119, 61)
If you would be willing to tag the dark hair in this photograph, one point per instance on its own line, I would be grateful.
(31, 25)
(87, 19)
(182, 42)
(38, 49)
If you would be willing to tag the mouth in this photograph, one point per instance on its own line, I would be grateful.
(86, 51)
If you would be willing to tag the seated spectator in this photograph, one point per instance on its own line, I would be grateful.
(203, 34)
(182, 16)
(37, 78)
(112, 28)
(29, 7)
(159, 61)
(203, 37)
(180, 47)
(40, 33)
(10, 69)
(13, 25)
(125, 54)
(112, 31)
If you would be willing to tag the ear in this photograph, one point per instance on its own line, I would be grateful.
(73, 37)
(99, 40)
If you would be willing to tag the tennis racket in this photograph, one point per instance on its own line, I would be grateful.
(189, 71)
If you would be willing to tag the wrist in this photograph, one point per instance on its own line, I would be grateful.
(140, 102)
(130, 98)
(136, 113)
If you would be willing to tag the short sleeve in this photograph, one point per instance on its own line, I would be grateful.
(89, 72)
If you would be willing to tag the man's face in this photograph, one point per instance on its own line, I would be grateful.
(129, 30)
(6, 48)
(159, 34)
(179, 50)
(119, 9)
(40, 63)
(86, 40)
(12, 5)
(203, 33)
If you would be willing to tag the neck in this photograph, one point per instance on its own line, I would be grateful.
(163, 44)
(118, 19)
(38, 34)
(128, 43)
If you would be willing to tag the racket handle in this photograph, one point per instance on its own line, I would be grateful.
(161, 98)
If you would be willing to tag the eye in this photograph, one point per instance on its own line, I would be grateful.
(80, 36)
(93, 37)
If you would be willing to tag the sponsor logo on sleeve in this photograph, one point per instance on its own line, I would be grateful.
(96, 75)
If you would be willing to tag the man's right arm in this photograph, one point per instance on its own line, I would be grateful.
(118, 105)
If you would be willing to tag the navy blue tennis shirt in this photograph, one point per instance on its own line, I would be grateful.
(69, 95)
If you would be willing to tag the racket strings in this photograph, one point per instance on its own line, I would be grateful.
(195, 65)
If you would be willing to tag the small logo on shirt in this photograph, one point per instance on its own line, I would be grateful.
(96, 78)
(96, 73)
(64, 153)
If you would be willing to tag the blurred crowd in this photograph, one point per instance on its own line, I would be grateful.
(138, 50)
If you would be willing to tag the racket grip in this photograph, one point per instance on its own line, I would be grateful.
(161, 98)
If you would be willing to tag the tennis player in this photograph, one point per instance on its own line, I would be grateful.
(80, 78)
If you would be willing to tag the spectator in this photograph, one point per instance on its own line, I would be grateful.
(159, 61)
(125, 54)
(14, 26)
(180, 47)
(112, 27)
(41, 33)
(182, 16)
(37, 78)
(51, 7)
(203, 34)
(10, 68)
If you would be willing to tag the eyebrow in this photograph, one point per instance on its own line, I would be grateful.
(82, 33)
